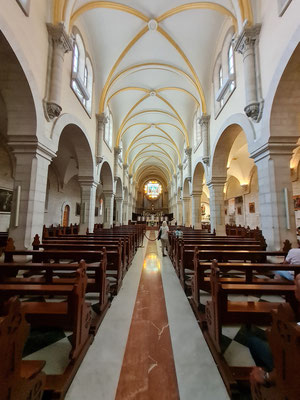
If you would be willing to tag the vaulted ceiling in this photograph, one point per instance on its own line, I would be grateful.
(153, 64)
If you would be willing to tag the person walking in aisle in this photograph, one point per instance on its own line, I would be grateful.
(163, 234)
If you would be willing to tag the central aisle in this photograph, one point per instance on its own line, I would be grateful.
(149, 345)
(148, 369)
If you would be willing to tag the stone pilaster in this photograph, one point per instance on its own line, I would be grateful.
(217, 211)
(180, 175)
(108, 209)
(179, 212)
(102, 120)
(196, 210)
(275, 192)
(117, 152)
(129, 215)
(30, 185)
(188, 152)
(125, 212)
(204, 123)
(119, 211)
(245, 44)
(88, 200)
(186, 211)
(61, 44)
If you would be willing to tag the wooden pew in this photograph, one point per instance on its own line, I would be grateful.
(19, 379)
(223, 253)
(202, 270)
(73, 314)
(114, 261)
(220, 311)
(50, 274)
(284, 340)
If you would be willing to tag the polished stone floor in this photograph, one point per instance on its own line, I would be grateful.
(149, 345)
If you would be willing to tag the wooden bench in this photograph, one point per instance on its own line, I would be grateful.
(19, 379)
(249, 272)
(225, 254)
(73, 314)
(284, 340)
(114, 261)
(220, 311)
(63, 274)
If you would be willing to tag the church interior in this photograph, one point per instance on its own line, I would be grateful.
(149, 193)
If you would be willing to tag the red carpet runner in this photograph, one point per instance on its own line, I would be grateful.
(148, 370)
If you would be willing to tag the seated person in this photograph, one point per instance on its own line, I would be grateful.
(293, 257)
(264, 373)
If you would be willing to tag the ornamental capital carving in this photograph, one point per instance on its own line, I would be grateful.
(59, 37)
(254, 110)
(204, 120)
(246, 40)
(102, 119)
(118, 151)
(52, 110)
(188, 151)
(180, 166)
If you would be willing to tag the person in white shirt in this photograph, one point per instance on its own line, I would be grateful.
(164, 229)
(293, 257)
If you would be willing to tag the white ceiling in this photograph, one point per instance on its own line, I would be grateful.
(173, 62)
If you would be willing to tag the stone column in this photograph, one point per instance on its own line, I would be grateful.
(129, 216)
(30, 185)
(117, 152)
(217, 210)
(102, 120)
(275, 193)
(196, 210)
(61, 44)
(119, 211)
(188, 152)
(245, 44)
(125, 212)
(180, 175)
(186, 211)
(88, 200)
(204, 123)
(108, 209)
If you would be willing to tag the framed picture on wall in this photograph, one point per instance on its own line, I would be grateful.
(5, 200)
(78, 209)
(251, 208)
(239, 210)
(296, 202)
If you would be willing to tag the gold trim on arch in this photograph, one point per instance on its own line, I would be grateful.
(137, 138)
(137, 88)
(199, 6)
(179, 90)
(155, 145)
(246, 11)
(58, 6)
(158, 112)
(148, 157)
(178, 70)
(106, 4)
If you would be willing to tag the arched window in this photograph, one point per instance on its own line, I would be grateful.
(221, 84)
(82, 74)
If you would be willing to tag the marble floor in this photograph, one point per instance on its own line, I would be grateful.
(149, 345)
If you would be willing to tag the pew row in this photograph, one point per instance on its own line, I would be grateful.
(19, 379)
(73, 314)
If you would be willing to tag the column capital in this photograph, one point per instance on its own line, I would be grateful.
(125, 167)
(283, 146)
(102, 119)
(204, 120)
(247, 38)
(108, 193)
(59, 36)
(25, 145)
(197, 194)
(188, 151)
(216, 181)
(180, 166)
(87, 181)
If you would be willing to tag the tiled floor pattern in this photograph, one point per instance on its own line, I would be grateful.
(148, 370)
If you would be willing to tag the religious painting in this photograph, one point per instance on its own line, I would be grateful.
(5, 200)
(78, 209)
(251, 208)
(296, 202)
(239, 210)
